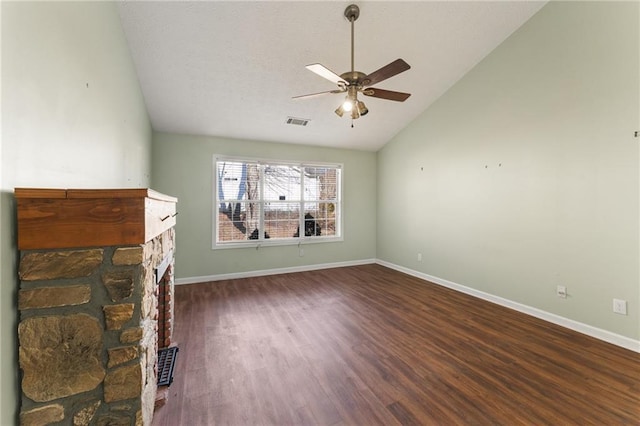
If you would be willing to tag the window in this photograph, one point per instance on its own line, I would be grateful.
(269, 202)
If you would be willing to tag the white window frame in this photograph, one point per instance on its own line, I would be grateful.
(266, 242)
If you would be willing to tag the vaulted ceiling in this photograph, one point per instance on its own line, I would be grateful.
(230, 69)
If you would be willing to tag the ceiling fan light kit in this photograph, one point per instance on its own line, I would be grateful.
(354, 82)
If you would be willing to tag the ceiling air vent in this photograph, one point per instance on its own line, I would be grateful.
(298, 121)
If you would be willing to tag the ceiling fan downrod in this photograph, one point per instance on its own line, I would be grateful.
(352, 12)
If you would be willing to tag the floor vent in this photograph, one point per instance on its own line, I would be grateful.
(298, 121)
(166, 364)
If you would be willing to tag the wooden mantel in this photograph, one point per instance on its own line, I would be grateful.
(70, 218)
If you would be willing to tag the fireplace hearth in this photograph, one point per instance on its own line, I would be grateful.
(95, 303)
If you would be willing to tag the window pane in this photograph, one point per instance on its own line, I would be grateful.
(281, 220)
(320, 183)
(238, 181)
(232, 225)
(320, 219)
(281, 183)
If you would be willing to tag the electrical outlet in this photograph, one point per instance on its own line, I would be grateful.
(561, 291)
(419, 257)
(301, 252)
(620, 306)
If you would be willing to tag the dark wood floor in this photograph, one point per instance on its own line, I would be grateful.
(367, 345)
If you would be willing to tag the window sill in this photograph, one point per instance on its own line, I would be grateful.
(276, 243)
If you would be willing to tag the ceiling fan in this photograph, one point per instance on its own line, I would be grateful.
(354, 82)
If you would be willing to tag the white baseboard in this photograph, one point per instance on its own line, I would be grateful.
(589, 330)
(263, 272)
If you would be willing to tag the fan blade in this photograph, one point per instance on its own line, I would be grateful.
(394, 68)
(325, 72)
(386, 94)
(312, 95)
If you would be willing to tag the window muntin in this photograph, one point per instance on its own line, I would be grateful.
(269, 202)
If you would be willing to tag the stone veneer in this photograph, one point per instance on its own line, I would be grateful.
(88, 336)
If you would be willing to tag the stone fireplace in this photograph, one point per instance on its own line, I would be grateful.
(95, 303)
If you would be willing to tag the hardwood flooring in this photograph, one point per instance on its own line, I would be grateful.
(367, 345)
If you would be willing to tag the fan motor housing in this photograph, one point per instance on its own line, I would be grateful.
(354, 78)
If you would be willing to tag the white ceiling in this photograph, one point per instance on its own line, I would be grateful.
(231, 68)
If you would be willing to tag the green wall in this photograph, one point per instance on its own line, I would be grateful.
(525, 175)
(183, 167)
(73, 116)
